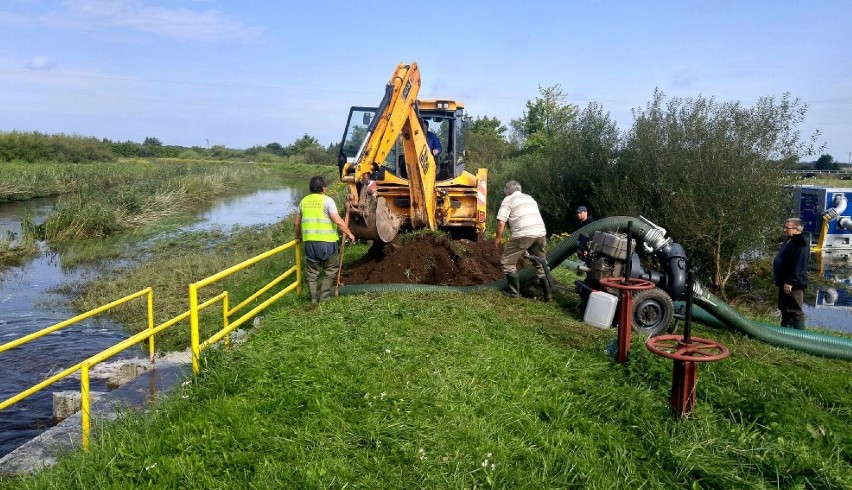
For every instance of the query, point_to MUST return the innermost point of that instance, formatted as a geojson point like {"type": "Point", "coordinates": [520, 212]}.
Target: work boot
{"type": "Point", "coordinates": [325, 289]}
{"type": "Point", "coordinates": [798, 323]}
{"type": "Point", "coordinates": [545, 287]}
{"type": "Point", "coordinates": [313, 292]}
{"type": "Point", "coordinates": [513, 282]}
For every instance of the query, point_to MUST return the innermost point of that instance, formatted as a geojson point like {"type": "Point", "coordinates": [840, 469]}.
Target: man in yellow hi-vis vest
{"type": "Point", "coordinates": [315, 222]}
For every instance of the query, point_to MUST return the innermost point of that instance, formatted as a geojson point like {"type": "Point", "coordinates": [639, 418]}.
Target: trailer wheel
{"type": "Point", "coordinates": [652, 312]}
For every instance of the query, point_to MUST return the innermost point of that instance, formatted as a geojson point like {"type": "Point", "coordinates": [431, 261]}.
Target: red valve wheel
{"type": "Point", "coordinates": [699, 350]}
{"type": "Point", "coordinates": [628, 285]}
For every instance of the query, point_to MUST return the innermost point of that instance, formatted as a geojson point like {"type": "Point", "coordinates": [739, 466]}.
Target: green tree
{"type": "Point", "coordinates": [546, 118]}
{"type": "Point", "coordinates": [826, 162]}
{"type": "Point", "coordinates": [302, 145]}
{"type": "Point", "coordinates": [151, 147]}
{"type": "Point", "coordinates": [152, 142]}
{"type": "Point", "coordinates": [709, 172]}
{"type": "Point", "coordinates": [485, 143]}
{"type": "Point", "coordinates": [275, 149]}
{"type": "Point", "coordinates": [570, 169]}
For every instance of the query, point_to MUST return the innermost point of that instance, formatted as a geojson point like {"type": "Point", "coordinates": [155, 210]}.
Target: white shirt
{"type": "Point", "coordinates": [521, 213]}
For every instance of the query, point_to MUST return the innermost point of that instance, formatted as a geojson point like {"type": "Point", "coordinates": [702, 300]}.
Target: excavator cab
{"type": "Point", "coordinates": [447, 124]}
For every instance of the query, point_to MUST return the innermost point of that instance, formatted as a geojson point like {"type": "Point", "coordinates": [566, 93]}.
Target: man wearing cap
{"type": "Point", "coordinates": [583, 216]}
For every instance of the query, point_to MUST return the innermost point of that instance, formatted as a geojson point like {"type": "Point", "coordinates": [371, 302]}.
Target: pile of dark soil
{"type": "Point", "coordinates": [427, 259]}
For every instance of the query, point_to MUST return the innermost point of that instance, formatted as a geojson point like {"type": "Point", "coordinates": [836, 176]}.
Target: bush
{"type": "Point", "coordinates": [37, 147]}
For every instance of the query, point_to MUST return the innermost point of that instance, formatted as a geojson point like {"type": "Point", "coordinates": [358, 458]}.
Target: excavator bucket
{"type": "Point", "coordinates": [374, 219]}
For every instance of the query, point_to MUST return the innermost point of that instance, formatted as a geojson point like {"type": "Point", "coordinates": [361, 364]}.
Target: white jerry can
{"type": "Point", "coordinates": [600, 309]}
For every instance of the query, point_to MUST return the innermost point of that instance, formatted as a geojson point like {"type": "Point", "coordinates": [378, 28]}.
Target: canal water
{"type": "Point", "coordinates": [29, 302]}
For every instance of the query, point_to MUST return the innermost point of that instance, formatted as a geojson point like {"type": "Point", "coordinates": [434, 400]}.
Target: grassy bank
{"type": "Point", "coordinates": [100, 200]}
{"type": "Point", "coordinates": [407, 390]}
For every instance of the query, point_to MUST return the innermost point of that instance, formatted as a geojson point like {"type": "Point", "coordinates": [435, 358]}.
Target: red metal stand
{"type": "Point", "coordinates": [686, 357]}
{"type": "Point", "coordinates": [625, 288]}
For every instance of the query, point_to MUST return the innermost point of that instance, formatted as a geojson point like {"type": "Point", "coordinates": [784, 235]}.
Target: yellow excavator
{"type": "Point", "coordinates": [403, 162]}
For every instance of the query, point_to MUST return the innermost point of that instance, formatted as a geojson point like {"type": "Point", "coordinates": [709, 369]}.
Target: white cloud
{"type": "Point", "coordinates": [140, 17]}
{"type": "Point", "coordinates": [39, 63]}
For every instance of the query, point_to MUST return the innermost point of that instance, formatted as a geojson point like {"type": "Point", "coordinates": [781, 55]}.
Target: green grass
{"type": "Point", "coordinates": [413, 390]}
{"type": "Point", "coordinates": [15, 250]}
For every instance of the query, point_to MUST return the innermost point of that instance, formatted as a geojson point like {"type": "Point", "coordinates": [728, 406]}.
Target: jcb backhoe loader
{"type": "Point", "coordinates": [396, 181]}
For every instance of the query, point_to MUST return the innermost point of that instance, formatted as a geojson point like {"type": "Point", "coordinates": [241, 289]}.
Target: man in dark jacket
{"type": "Point", "coordinates": [583, 216]}
{"type": "Point", "coordinates": [790, 269]}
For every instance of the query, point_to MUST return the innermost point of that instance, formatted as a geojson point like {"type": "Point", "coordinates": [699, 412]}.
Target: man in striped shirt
{"type": "Point", "coordinates": [521, 212]}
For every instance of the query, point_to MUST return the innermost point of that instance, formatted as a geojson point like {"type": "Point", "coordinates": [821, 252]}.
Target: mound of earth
{"type": "Point", "coordinates": [427, 259]}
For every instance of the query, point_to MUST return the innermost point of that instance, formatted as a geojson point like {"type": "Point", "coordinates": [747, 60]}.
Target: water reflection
{"type": "Point", "coordinates": [261, 208]}
{"type": "Point", "coordinates": [831, 306]}
{"type": "Point", "coordinates": [12, 212]}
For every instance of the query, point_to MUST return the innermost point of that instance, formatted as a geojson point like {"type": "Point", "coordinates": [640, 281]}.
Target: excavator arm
{"type": "Point", "coordinates": [397, 115]}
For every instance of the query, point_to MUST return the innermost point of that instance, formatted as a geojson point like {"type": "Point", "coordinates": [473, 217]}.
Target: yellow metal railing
{"type": "Point", "coordinates": [83, 367]}
{"type": "Point", "coordinates": [151, 331]}
{"type": "Point", "coordinates": [227, 325]}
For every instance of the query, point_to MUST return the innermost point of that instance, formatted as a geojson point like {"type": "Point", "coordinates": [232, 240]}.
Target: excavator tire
{"type": "Point", "coordinates": [652, 312]}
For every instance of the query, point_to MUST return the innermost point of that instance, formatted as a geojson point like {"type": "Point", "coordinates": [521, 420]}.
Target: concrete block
{"type": "Point", "coordinates": [67, 403]}
{"type": "Point", "coordinates": [126, 373]}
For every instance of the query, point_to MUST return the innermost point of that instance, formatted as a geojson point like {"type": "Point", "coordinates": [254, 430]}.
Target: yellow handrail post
{"type": "Point", "coordinates": [298, 267]}
{"type": "Point", "coordinates": [151, 323]}
{"type": "Point", "coordinates": [225, 321]}
{"type": "Point", "coordinates": [85, 422]}
{"type": "Point", "coordinates": [193, 327]}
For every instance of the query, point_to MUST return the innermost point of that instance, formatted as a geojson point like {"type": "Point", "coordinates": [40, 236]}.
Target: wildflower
{"type": "Point", "coordinates": [421, 454]}
{"type": "Point", "coordinates": [149, 468]}
{"type": "Point", "coordinates": [485, 463]}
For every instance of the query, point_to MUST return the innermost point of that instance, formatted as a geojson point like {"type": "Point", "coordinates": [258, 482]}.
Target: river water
{"type": "Point", "coordinates": [29, 302]}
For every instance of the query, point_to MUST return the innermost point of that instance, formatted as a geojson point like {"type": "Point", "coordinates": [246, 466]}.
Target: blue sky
{"type": "Point", "coordinates": [245, 73]}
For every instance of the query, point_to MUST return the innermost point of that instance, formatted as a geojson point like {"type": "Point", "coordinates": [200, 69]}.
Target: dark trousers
{"type": "Point", "coordinates": [791, 307]}
{"type": "Point", "coordinates": [321, 291]}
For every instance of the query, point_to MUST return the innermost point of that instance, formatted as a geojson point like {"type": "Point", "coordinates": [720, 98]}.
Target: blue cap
{"type": "Point", "coordinates": [582, 209]}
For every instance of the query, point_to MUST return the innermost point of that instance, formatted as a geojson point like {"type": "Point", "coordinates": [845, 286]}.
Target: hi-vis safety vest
{"type": "Point", "coordinates": [316, 226]}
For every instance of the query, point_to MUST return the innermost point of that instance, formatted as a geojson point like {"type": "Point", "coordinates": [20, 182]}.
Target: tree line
{"type": "Point", "coordinates": [17, 146]}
